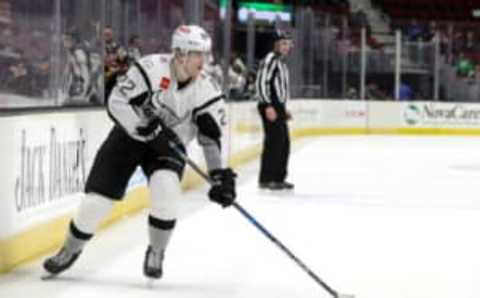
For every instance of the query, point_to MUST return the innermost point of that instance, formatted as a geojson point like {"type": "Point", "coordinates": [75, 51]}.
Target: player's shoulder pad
{"type": "Point", "coordinates": [153, 68]}
{"type": "Point", "coordinates": [159, 63]}
{"type": "Point", "coordinates": [208, 89]}
{"type": "Point", "coordinates": [209, 93]}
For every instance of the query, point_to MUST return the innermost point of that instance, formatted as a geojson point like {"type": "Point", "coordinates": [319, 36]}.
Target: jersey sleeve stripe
{"type": "Point", "coordinates": [139, 99]}
{"type": "Point", "coordinates": [265, 77]}
{"type": "Point", "coordinates": [207, 104]}
{"type": "Point", "coordinates": [260, 87]}
{"type": "Point", "coordinates": [144, 75]}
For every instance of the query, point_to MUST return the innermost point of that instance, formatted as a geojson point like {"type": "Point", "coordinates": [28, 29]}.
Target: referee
{"type": "Point", "coordinates": [273, 91]}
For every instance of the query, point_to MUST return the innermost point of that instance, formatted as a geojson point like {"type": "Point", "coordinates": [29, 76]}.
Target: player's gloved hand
{"type": "Point", "coordinates": [169, 135]}
{"type": "Point", "coordinates": [160, 137]}
{"type": "Point", "coordinates": [223, 190]}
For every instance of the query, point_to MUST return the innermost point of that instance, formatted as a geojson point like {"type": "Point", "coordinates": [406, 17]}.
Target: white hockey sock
{"type": "Point", "coordinates": [93, 208]}
{"type": "Point", "coordinates": [165, 193]}
{"type": "Point", "coordinates": [160, 232]}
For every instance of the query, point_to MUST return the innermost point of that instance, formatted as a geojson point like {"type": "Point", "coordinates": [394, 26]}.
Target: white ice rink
{"type": "Point", "coordinates": [377, 217]}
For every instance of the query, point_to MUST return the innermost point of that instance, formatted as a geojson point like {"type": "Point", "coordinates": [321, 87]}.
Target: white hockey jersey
{"type": "Point", "coordinates": [149, 90]}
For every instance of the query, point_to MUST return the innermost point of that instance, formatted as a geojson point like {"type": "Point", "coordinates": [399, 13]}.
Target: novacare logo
{"type": "Point", "coordinates": [430, 113]}
{"type": "Point", "coordinates": [412, 114]}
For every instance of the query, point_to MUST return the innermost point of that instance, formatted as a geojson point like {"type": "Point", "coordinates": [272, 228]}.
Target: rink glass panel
{"type": "Point", "coordinates": [52, 51]}
{"type": "Point", "coordinates": [153, 21]}
{"type": "Point", "coordinates": [36, 70]}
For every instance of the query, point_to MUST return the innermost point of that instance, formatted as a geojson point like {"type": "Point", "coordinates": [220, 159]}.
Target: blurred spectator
{"type": "Point", "coordinates": [236, 84]}
{"type": "Point", "coordinates": [477, 72]}
{"type": "Point", "coordinates": [134, 50]}
{"type": "Point", "coordinates": [415, 31]}
{"type": "Point", "coordinates": [40, 72]}
{"type": "Point", "coordinates": [352, 93]}
{"type": "Point", "coordinates": [406, 92]}
{"type": "Point", "coordinates": [359, 19]}
{"type": "Point", "coordinates": [214, 69]}
{"type": "Point", "coordinates": [8, 51]}
{"type": "Point", "coordinates": [374, 92]}
{"type": "Point", "coordinates": [249, 91]}
{"type": "Point", "coordinates": [237, 77]}
{"type": "Point", "coordinates": [431, 31]}
{"type": "Point", "coordinates": [11, 60]}
{"type": "Point", "coordinates": [237, 64]}
{"type": "Point", "coordinates": [18, 79]}
{"type": "Point", "coordinates": [116, 58]}
{"type": "Point", "coordinates": [111, 46]}
{"type": "Point", "coordinates": [471, 43]}
{"type": "Point", "coordinates": [458, 43]}
{"type": "Point", "coordinates": [77, 86]}
{"type": "Point", "coordinates": [444, 39]}
{"type": "Point", "coordinates": [464, 66]}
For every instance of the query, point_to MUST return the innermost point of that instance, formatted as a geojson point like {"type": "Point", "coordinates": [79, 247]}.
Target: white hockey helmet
{"type": "Point", "coordinates": [191, 38]}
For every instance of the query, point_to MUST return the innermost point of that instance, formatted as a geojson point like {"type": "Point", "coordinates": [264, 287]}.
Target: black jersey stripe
{"type": "Point", "coordinates": [79, 234]}
{"type": "Point", "coordinates": [160, 223]}
{"type": "Point", "coordinates": [207, 104]}
{"type": "Point", "coordinates": [264, 78]}
{"type": "Point", "coordinates": [273, 82]}
{"type": "Point", "coordinates": [144, 75]}
{"type": "Point", "coordinates": [140, 99]}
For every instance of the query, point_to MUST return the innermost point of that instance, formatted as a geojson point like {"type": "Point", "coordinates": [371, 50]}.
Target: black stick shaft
{"type": "Point", "coordinates": [259, 226]}
{"type": "Point", "coordinates": [287, 251]}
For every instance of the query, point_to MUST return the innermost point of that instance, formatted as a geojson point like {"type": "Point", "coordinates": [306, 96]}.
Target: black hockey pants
{"type": "Point", "coordinates": [276, 147]}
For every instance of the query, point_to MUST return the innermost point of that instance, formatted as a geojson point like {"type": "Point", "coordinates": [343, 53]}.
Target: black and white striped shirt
{"type": "Point", "coordinates": [273, 86]}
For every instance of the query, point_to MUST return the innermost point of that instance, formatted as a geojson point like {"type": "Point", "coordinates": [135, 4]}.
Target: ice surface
{"type": "Point", "coordinates": [377, 217]}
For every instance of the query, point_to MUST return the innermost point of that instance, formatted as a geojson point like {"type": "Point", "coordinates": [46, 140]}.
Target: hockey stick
{"type": "Point", "coordinates": [260, 227]}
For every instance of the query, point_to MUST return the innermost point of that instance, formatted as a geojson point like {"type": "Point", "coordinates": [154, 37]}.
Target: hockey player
{"type": "Point", "coordinates": [161, 98]}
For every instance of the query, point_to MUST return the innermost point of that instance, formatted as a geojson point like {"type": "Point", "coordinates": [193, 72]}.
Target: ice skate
{"type": "Point", "coordinates": [152, 266]}
{"type": "Point", "coordinates": [59, 262]}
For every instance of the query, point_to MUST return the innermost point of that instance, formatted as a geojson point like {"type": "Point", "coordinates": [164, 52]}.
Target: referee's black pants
{"type": "Point", "coordinates": [276, 147]}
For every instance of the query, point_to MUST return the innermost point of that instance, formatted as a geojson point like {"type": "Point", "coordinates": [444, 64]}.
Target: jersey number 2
{"type": "Point", "coordinates": [223, 116]}
{"type": "Point", "coordinates": [127, 85]}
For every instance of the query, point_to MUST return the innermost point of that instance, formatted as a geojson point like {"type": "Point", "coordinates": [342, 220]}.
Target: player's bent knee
{"type": "Point", "coordinates": [165, 193]}
{"type": "Point", "coordinates": [93, 208]}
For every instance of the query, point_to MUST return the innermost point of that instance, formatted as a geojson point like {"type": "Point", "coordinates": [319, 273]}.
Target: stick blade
{"type": "Point", "coordinates": [345, 296]}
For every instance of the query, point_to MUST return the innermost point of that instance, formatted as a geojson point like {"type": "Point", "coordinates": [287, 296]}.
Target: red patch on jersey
{"type": "Point", "coordinates": [164, 83]}
{"type": "Point", "coordinates": [184, 29]}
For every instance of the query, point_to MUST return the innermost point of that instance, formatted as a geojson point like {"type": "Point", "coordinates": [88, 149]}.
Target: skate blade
{"type": "Point", "coordinates": [48, 276]}
{"type": "Point", "coordinates": [275, 191]}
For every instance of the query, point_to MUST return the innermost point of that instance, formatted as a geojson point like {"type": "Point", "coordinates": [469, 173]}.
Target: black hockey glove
{"type": "Point", "coordinates": [162, 137]}
{"type": "Point", "coordinates": [223, 189]}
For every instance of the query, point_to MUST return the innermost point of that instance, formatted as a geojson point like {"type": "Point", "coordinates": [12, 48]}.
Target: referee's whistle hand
{"type": "Point", "coordinates": [271, 114]}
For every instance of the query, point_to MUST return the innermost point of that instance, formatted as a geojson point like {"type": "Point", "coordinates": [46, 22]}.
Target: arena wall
{"type": "Point", "coordinates": [46, 158]}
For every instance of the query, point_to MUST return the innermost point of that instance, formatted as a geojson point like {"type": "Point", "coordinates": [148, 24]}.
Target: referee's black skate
{"type": "Point", "coordinates": [60, 262]}
{"type": "Point", "coordinates": [153, 263]}
{"type": "Point", "coordinates": [287, 185]}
